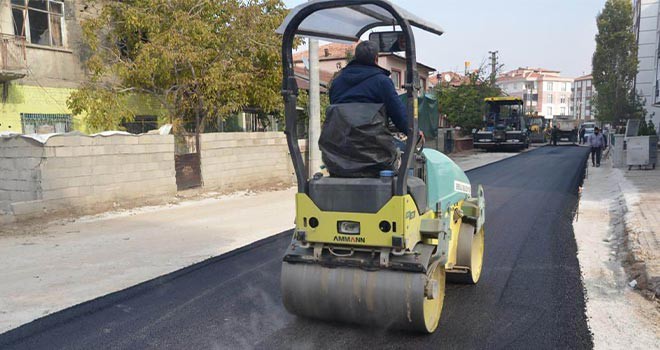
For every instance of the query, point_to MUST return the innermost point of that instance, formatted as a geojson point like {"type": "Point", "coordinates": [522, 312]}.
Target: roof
{"type": "Point", "coordinates": [338, 51]}
{"type": "Point", "coordinates": [330, 51]}
{"type": "Point", "coordinates": [302, 78]}
{"type": "Point", "coordinates": [451, 78]}
{"type": "Point", "coordinates": [504, 100]}
{"type": "Point", "coordinates": [348, 23]}
{"type": "Point", "coordinates": [527, 73]}
{"type": "Point", "coordinates": [585, 77]}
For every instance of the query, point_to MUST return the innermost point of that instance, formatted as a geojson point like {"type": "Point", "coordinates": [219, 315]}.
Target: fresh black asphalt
{"type": "Point", "coordinates": [530, 294]}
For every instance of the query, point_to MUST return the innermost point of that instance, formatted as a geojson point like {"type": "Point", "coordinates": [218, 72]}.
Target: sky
{"type": "Point", "coordinates": [552, 34]}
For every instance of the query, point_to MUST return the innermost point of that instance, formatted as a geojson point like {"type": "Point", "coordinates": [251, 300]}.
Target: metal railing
{"type": "Point", "coordinates": [12, 54]}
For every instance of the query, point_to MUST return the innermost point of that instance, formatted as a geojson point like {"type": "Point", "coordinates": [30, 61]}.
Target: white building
{"type": "Point", "coordinates": [543, 91]}
{"type": "Point", "coordinates": [645, 21]}
{"type": "Point", "coordinates": [583, 92]}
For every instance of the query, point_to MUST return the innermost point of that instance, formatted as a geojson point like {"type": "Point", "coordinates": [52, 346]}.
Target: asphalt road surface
{"type": "Point", "coordinates": [530, 294]}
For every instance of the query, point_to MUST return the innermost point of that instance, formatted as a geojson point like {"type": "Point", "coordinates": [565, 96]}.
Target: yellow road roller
{"type": "Point", "coordinates": [375, 249]}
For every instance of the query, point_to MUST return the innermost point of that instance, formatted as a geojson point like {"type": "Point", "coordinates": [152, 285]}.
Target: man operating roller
{"type": "Point", "coordinates": [355, 140]}
{"type": "Point", "coordinates": [364, 81]}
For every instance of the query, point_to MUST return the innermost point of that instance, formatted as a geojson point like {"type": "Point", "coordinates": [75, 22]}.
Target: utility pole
{"type": "Point", "coordinates": [315, 161]}
{"type": "Point", "coordinates": [314, 155]}
{"type": "Point", "coordinates": [493, 66]}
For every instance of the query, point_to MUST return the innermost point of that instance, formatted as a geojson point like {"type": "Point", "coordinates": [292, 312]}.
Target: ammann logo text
{"type": "Point", "coordinates": [350, 239]}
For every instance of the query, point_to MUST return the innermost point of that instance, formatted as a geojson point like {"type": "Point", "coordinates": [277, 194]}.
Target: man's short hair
{"type": "Point", "coordinates": [366, 52]}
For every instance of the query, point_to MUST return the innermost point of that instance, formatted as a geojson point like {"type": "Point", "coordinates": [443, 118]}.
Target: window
{"type": "Point", "coordinates": [579, 84]}
{"type": "Point", "coordinates": [588, 83]}
{"type": "Point", "coordinates": [549, 98]}
{"type": "Point", "coordinates": [562, 99]}
{"type": "Point", "coordinates": [45, 123]}
{"type": "Point", "coordinates": [588, 93]}
{"type": "Point", "coordinates": [562, 111]}
{"type": "Point", "coordinates": [549, 111]}
{"type": "Point", "coordinates": [515, 86]}
{"type": "Point", "coordinates": [39, 21]}
{"type": "Point", "coordinates": [549, 86]}
{"type": "Point", "coordinates": [563, 86]}
{"type": "Point", "coordinates": [396, 78]}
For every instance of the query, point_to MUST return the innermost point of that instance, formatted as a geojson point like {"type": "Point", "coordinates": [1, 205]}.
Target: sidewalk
{"type": "Point", "coordinates": [49, 267]}
{"type": "Point", "coordinates": [619, 316]}
{"type": "Point", "coordinates": [642, 198]}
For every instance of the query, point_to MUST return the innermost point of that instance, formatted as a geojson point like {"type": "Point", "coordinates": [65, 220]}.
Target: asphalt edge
{"type": "Point", "coordinates": [583, 175]}
{"type": "Point", "coordinates": [503, 159]}
{"type": "Point", "coordinates": [52, 320]}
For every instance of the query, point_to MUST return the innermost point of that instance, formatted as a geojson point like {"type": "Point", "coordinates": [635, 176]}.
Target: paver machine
{"type": "Point", "coordinates": [376, 250]}
{"type": "Point", "coordinates": [504, 127]}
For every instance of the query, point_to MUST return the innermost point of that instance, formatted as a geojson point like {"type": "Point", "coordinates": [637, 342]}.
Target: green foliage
{"type": "Point", "coordinates": [198, 58]}
{"type": "Point", "coordinates": [463, 105]}
{"type": "Point", "coordinates": [615, 64]}
{"type": "Point", "coordinates": [303, 103]}
{"type": "Point", "coordinates": [646, 128]}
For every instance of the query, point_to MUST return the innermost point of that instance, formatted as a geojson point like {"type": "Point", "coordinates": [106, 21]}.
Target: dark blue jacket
{"type": "Point", "coordinates": [369, 84]}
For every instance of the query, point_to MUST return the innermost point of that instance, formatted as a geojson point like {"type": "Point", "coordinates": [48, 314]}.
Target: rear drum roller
{"type": "Point", "coordinates": [385, 298]}
{"type": "Point", "coordinates": [470, 255]}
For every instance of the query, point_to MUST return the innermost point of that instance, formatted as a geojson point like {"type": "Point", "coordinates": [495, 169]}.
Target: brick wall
{"type": "Point", "coordinates": [81, 174]}
{"type": "Point", "coordinates": [244, 160]}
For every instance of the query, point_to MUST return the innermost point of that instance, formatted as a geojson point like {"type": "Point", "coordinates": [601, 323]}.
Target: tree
{"type": "Point", "coordinates": [463, 104]}
{"type": "Point", "coordinates": [199, 59]}
{"type": "Point", "coordinates": [614, 64]}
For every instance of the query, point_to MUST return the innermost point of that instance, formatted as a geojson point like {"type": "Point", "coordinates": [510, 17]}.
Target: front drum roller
{"type": "Point", "coordinates": [385, 298]}
{"type": "Point", "coordinates": [469, 255]}
{"type": "Point", "coordinates": [471, 242]}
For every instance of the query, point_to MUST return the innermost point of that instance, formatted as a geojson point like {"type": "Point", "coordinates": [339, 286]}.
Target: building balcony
{"type": "Point", "coordinates": [13, 60]}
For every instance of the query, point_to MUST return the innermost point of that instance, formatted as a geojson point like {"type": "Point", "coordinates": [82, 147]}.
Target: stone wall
{"type": "Point", "coordinates": [76, 174]}
{"type": "Point", "coordinates": [232, 161]}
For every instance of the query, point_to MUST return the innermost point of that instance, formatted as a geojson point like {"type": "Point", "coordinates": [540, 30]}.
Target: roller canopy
{"type": "Point", "coordinates": [349, 23]}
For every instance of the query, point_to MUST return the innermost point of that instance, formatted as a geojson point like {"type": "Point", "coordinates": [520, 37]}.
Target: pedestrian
{"type": "Point", "coordinates": [597, 142]}
{"type": "Point", "coordinates": [554, 135]}
{"type": "Point", "coordinates": [583, 130]}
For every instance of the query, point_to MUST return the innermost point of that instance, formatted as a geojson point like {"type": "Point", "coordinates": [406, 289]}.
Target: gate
{"type": "Point", "coordinates": [187, 162]}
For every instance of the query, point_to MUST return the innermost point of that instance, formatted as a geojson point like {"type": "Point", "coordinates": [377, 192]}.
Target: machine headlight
{"type": "Point", "coordinates": [348, 227]}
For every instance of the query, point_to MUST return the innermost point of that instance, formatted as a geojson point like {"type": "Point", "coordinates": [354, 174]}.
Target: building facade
{"type": "Point", "coordinates": [545, 92]}
{"type": "Point", "coordinates": [647, 30]}
{"type": "Point", "coordinates": [41, 57]}
{"type": "Point", "coordinates": [333, 57]}
{"type": "Point", "coordinates": [583, 92]}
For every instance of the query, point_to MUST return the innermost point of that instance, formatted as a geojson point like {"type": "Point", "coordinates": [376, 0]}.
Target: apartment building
{"type": "Point", "coordinates": [583, 92]}
{"type": "Point", "coordinates": [543, 91]}
{"type": "Point", "coordinates": [647, 83]}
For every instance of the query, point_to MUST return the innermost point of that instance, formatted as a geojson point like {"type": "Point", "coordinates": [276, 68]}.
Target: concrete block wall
{"type": "Point", "coordinates": [232, 161]}
{"type": "Point", "coordinates": [83, 174]}
{"type": "Point", "coordinates": [20, 161]}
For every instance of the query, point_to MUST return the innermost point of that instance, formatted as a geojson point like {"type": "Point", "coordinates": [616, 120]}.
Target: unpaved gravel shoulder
{"type": "Point", "coordinates": [619, 316]}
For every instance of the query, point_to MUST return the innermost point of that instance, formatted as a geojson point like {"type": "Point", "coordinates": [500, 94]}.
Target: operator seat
{"type": "Point", "coordinates": [356, 146]}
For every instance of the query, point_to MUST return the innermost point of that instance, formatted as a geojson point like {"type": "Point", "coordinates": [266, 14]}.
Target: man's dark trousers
{"type": "Point", "coordinates": [596, 152]}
